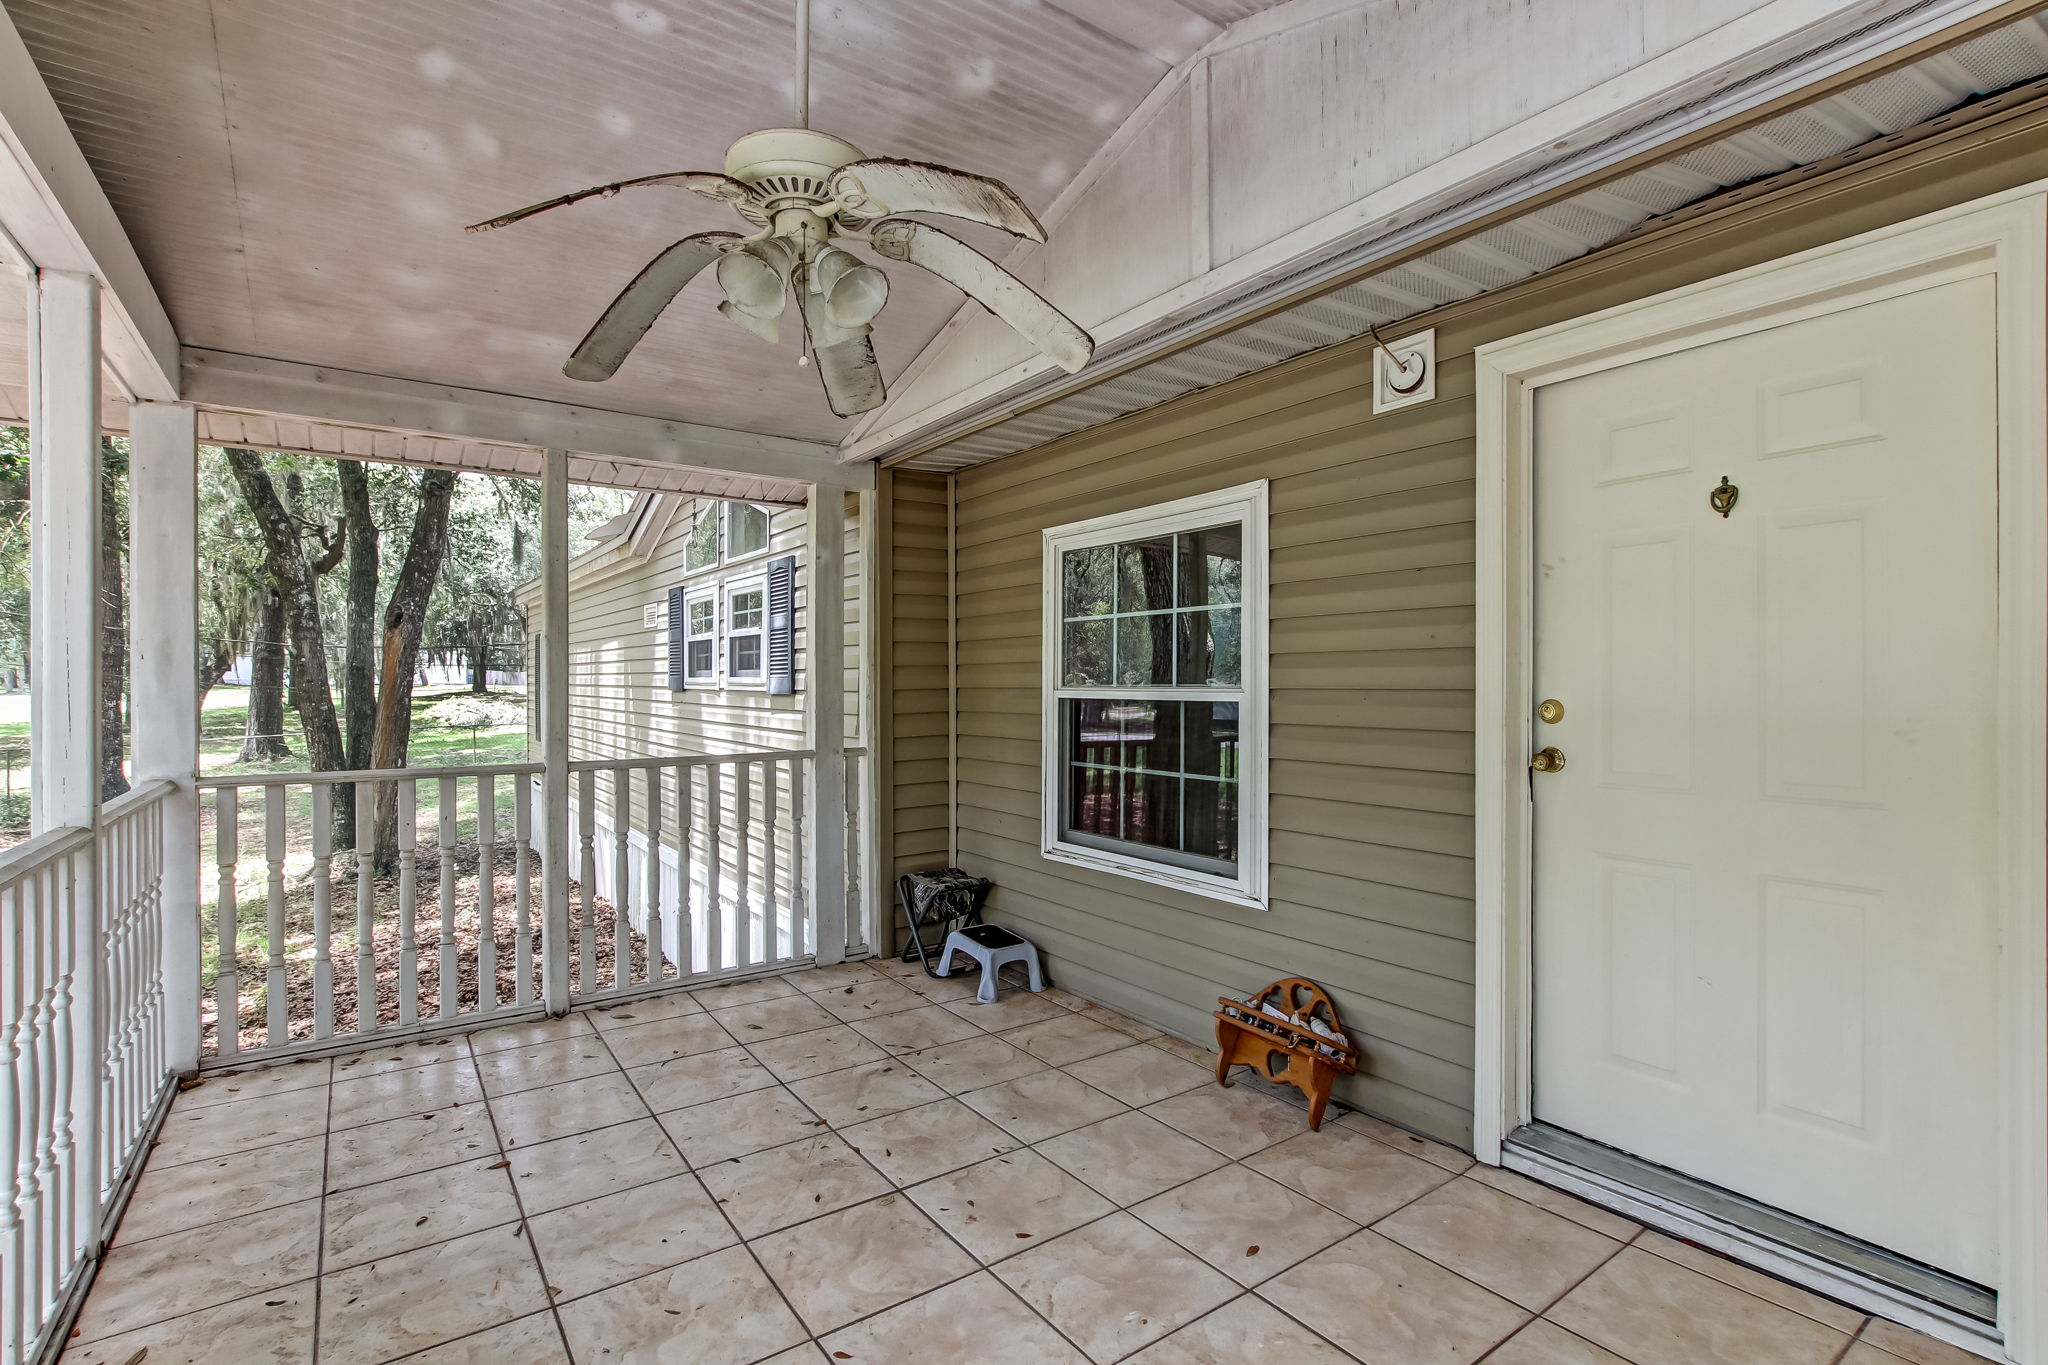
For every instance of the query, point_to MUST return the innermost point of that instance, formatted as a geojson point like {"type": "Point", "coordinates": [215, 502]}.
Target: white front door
{"type": "Point", "coordinates": [1765, 901]}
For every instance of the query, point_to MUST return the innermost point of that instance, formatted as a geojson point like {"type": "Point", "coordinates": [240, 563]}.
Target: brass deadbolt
{"type": "Point", "coordinates": [1551, 711]}
{"type": "Point", "coordinates": [1549, 759]}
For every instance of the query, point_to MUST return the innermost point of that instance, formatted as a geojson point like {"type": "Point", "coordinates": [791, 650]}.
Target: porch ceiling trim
{"type": "Point", "coordinates": [506, 432]}
{"type": "Point", "coordinates": [1602, 181]}
{"type": "Point", "coordinates": [55, 216]}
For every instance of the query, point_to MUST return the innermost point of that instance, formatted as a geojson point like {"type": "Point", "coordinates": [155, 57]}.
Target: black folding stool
{"type": "Point", "coordinates": [950, 899]}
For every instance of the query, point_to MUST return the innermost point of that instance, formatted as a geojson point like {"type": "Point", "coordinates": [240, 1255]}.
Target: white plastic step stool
{"type": "Point", "coordinates": [992, 947]}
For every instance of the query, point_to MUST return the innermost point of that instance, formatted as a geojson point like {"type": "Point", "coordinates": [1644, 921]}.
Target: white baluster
{"type": "Point", "coordinates": [448, 981]}
{"type": "Point", "coordinates": [774, 938]}
{"type": "Point", "coordinates": [368, 794]}
{"type": "Point", "coordinates": [227, 986]}
{"type": "Point", "coordinates": [746, 931]}
{"type": "Point", "coordinates": [275, 997]}
{"type": "Point", "coordinates": [408, 902]}
{"type": "Point", "coordinates": [799, 894]}
{"type": "Point", "coordinates": [586, 864]}
{"type": "Point", "coordinates": [854, 917]}
{"type": "Point", "coordinates": [686, 934]}
{"type": "Point", "coordinates": [323, 910]}
{"type": "Point", "coordinates": [657, 953]}
{"type": "Point", "coordinates": [522, 886]}
{"type": "Point", "coordinates": [487, 893]}
{"type": "Point", "coordinates": [714, 866]}
{"type": "Point", "coordinates": [622, 878]}
{"type": "Point", "coordinates": [14, 1108]}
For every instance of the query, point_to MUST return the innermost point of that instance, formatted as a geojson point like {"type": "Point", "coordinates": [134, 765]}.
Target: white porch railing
{"type": "Point", "coordinates": [686, 869]}
{"type": "Point", "coordinates": [83, 1073]}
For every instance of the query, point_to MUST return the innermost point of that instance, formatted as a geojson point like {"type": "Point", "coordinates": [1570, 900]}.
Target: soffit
{"type": "Point", "coordinates": [1537, 241]}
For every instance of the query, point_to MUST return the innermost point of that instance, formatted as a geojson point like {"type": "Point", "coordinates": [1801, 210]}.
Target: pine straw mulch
{"type": "Point", "coordinates": [301, 955]}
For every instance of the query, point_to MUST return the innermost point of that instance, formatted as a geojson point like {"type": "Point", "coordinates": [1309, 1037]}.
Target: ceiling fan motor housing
{"type": "Point", "coordinates": [789, 167]}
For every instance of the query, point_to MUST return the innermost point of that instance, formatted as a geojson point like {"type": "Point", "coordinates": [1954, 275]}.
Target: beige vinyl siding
{"type": "Point", "coordinates": [1372, 631]}
{"type": "Point", "coordinates": [918, 835]}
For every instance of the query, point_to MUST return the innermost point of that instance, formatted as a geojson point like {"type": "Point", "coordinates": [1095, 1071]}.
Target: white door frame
{"type": "Point", "coordinates": [2004, 236]}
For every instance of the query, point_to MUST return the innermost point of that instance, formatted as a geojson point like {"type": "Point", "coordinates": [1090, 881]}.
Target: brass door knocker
{"type": "Point", "coordinates": [1722, 499]}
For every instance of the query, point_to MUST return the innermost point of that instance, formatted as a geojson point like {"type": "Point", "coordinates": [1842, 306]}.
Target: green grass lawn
{"type": "Point", "coordinates": [442, 736]}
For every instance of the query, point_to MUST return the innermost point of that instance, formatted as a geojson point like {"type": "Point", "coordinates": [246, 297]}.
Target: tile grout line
{"type": "Point", "coordinates": [690, 1169]}
{"type": "Point", "coordinates": [320, 1244]}
{"type": "Point", "coordinates": [525, 1223]}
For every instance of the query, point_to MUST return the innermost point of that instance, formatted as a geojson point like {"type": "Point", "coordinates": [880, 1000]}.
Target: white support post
{"type": "Point", "coordinates": [163, 557]}
{"type": "Point", "coordinates": [554, 732]}
{"type": "Point", "coordinates": [64, 471]}
{"type": "Point", "coordinates": [825, 713]}
{"type": "Point", "coordinates": [64, 610]}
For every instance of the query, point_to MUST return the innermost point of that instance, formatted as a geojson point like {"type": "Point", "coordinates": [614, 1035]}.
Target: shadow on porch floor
{"type": "Point", "coordinates": [862, 1164]}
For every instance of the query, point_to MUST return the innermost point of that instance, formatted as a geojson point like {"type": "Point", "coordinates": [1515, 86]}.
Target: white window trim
{"type": "Point", "coordinates": [1247, 502]}
{"type": "Point", "coordinates": [691, 597]}
{"type": "Point", "coordinates": [757, 682]}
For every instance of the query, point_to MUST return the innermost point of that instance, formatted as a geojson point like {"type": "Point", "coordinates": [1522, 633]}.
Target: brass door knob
{"type": "Point", "coordinates": [1549, 759]}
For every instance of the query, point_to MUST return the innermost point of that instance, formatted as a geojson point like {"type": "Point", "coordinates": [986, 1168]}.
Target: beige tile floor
{"type": "Point", "coordinates": [861, 1164]}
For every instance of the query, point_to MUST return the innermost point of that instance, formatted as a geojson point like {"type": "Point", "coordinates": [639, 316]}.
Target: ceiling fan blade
{"type": "Point", "coordinates": [618, 331]}
{"type": "Point", "coordinates": [710, 184]}
{"type": "Point", "coordinates": [881, 186]}
{"type": "Point", "coordinates": [988, 284]}
{"type": "Point", "coordinates": [845, 358]}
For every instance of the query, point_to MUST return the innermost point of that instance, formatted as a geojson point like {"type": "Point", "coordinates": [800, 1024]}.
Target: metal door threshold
{"type": "Point", "coordinates": [1782, 1244]}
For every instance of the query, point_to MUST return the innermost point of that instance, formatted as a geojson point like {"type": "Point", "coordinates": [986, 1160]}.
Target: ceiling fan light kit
{"type": "Point", "coordinates": [804, 192]}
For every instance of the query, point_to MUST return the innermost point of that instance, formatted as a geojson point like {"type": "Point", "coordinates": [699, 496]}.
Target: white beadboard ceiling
{"type": "Point", "coordinates": [295, 176]}
{"type": "Point", "coordinates": [1864, 114]}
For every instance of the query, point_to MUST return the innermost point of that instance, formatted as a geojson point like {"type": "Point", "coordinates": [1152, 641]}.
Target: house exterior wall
{"type": "Point", "coordinates": [1372, 629]}
{"type": "Point", "coordinates": [914, 677]}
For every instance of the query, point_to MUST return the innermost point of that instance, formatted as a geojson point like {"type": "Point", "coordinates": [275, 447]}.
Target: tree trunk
{"type": "Point", "coordinates": [359, 661]}
{"type": "Point", "coordinates": [480, 664]}
{"type": "Point", "coordinates": [263, 733]}
{"type": "Point", "coordinates": [113, 642]}
{"type": "Point", "coordinates": [295, 581]}
{"type": "Point", "coordinates": [404, 619]}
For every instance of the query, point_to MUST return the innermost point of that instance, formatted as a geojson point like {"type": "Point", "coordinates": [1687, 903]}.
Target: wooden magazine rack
{"type": "Point", "coordinates": [1286, 1047]}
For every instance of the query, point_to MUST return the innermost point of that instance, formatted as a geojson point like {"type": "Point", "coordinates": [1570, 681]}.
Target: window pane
{"type": "Point", "coordinates": [746, 611]}
{"type": "Point", "coordinates": [702, 551]}
{"type": "Point", "coordinates": [1209, 811]}
{"type": "Point", "coordinates": [1144, 650]}
{"type": "Point", "coordinates": [1087, 586]}
{"type": "Point", "coordinates": [700, 618]}
{"type": "Point", "coordinates": [697, 659]}
{"type": "Point", "coordinates": [746, 529]}
{"type": "Point", "coordinates": [1087, 653]}
{"type": "Point", "coordinates": [745, 655]}
{"type": "Point", "coordinates": [1209, 648]}
{"type": "Point", "coordinates": [1211, 566]}
{"type": "Point", "coordinates": [1211, 740]}
{"type": "Point", "coordinates": [1094, 732]}
{"type": "Point", "coordinates": [1095, 801]}
{"type": "Point", "coordinates": [1145, 575]}
{"type": "Point", "coordinates": [1151, 736]}
{"type": "Point", "coordinates": [1152, 809]}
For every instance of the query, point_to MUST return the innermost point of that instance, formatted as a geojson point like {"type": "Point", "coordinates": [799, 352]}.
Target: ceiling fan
{"type": "Point", "coordinates": [803, 192]}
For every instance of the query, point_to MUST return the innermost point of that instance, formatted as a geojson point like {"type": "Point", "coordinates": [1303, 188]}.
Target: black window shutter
{"type": "Point", "coordinates": [782, 626]}
{"type": "Point", "coordinates": [678, 646]}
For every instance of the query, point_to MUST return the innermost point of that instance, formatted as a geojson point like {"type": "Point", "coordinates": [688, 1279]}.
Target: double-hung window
{"type": "Point", "coordinates": [700, 636]}
{"type": "Point", "coordinates": [1155, 694]}
{"type": "Point", "coordinates": [746, 618]}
